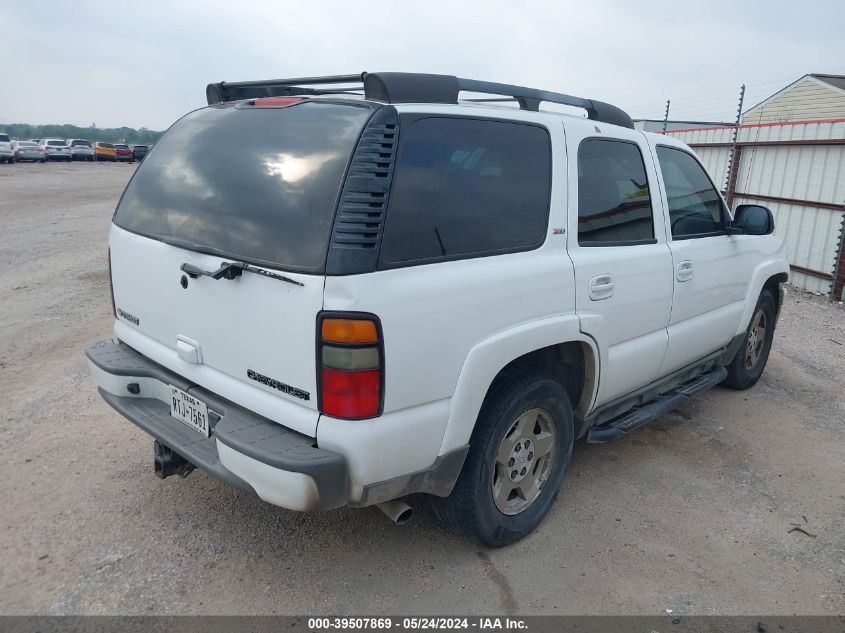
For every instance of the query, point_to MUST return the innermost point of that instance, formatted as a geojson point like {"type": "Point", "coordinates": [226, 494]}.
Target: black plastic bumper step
{"type": "Point", "coordinates": [664, 403]}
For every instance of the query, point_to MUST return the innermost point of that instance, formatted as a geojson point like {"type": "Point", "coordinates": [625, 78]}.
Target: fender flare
{"type": "Point", "coordinates": [490, 355]}
{"type": "Point", "coordinates": [762, 273]}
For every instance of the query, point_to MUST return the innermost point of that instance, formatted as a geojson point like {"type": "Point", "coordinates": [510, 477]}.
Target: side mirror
{"type": "Point", "coordinates": [754, 219]}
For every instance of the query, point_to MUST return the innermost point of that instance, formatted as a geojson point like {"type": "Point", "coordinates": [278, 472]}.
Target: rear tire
{"type": "Point", "coordinates": [527, 410]}
{"type": "Point", "coordinates": [747, 366]}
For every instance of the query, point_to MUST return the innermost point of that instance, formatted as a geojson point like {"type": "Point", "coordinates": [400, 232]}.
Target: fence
{"type": "Point", "coordinates": [797, 169]}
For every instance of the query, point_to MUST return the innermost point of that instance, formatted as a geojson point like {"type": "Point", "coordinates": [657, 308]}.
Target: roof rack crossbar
{"type": "Point", "coordinates": [412, 88]}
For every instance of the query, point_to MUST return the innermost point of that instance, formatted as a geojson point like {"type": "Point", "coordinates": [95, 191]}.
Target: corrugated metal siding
{"type": "Point", "coordinates": [808, 99]}
{"type": "Point", "coordinates": [808, 172]}
{"type": "Point", "coordinates": [811, 236]}
{"type": "Point", "coordinates": [808, 282]}
{"type": "Point", "coordinates": [715, 161]}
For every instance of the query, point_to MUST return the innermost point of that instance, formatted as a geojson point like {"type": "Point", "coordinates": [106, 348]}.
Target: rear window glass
{"type": "Point", "coordinates": [59, 143]}
{"type": "Point", "coordinates": [614, 204]}
{"type": "Point", "coordinates": [106, 145]}
{"type": "Point", "coordinates": [78, 143]}
{"type": "Point", "coordinates": [25, 143]}
{"type": "Point", "coordinates": [256, 184]}
{"type": "Point", "coordinates": [121, 147]}
{"type": "Point", "coordinates": [466, 188]}
{"type": "Point", "coordinates": [4, 138]}
{"type": "Point", "coordinates": [139, 147]}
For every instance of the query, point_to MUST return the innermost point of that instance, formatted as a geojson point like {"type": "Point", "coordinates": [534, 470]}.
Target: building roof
{"type": "Point", "coordinates": [837, 81]}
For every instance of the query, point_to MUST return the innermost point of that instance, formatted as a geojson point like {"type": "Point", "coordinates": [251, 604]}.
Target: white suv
{"type": "Point", "coordinates": [7, 155]}
{"type": "Point", "coordinates": [394, 292]}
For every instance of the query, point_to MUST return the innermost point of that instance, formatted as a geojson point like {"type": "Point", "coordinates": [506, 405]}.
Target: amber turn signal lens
{"type": "Point", "coordinates": [349, 331]}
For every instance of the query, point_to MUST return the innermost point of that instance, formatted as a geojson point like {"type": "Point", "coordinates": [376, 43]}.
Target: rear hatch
{"type": "Point", "coordinates": [246, 184]}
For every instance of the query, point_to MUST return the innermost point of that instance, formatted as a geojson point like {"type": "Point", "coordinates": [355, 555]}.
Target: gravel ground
{"type": "Point", "coordinates": [691, 514]}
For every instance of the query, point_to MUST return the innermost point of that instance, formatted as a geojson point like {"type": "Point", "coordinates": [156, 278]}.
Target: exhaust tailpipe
{"type": "Point", "coordinates": [397, 511]}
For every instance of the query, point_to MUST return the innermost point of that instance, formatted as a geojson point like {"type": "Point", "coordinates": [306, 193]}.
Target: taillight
{"type": "Point", "coordinates": [350, 353]}
{"type": "Point", "coordinates": [111, 289]}
{"type": "Point", "coordinates": [276, 102]}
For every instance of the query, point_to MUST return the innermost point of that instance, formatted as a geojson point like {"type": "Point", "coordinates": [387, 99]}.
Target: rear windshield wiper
{"type": "Point", "coordinates": [233, 270]}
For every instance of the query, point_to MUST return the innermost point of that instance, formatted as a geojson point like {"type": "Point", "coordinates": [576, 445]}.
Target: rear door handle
{"type": "Point", "coordinates": [683, 271]}
{"type": "Point", "coordinates": [601, 287]}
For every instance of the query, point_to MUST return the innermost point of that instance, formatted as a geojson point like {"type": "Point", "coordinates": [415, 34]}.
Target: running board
{"type": "Point", "coordinates": [664, 403]}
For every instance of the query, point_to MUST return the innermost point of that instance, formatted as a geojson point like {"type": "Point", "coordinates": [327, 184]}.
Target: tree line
{"type": "Point", "coordinates": [129, 135]}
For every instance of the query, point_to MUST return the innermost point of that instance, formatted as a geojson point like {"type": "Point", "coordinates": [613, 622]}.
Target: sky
{"type": "Point", "coordinates": [144, 64]}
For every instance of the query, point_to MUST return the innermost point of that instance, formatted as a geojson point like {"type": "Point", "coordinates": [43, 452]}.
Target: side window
{"type": "Point", "coordinates": [614, 204]}
{"type": "Point", "coordinates": [466, 188]}
{"type": "Point", "coordinates": [695, 207]}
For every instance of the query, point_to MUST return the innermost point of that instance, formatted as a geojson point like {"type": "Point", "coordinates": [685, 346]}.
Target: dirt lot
{"type": "Point", "coordinates": [691, 514]}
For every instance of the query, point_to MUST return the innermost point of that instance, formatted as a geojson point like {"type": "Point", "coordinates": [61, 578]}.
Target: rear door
{"type": "Point", "coordinates": [235, 183]}
{"type": "Point", "coordinates": [623, 267]}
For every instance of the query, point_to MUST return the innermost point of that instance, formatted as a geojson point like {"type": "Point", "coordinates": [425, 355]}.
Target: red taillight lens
{"type": "Point", "coordinates": [350, 394]}
{"type": "Point", "coordinates": [276, 102]}
{"type": "Point", "coordinates": [351, 358]}
{"type": "Point", "coordinates": [111, 289]}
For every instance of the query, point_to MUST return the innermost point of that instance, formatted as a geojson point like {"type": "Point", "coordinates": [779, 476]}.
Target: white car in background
{"type": "Point", "coordinates": [27, 151]}
{"type": "Point", "coordinates": [6, 155]}
{"type": "Point", "coordinates": [56, 149]}
{"type": "Point", "coordinates": [81, 149]}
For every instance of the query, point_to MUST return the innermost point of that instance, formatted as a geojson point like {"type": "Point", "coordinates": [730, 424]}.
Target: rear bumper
{"type": "Point", "coordinates": [245, 450]}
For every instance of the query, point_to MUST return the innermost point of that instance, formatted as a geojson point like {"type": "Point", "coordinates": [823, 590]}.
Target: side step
{"type": "Point", "coordinates": [645, 414]}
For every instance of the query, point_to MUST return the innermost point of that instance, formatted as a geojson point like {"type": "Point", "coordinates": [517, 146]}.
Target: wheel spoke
{"type": "Point", "coordinates": [543, 444]}
{"type": "Point", "coordinates": [505, 449]}
{"type": "Point", "coordinates": [529, 488]}
{"type": "Point", "coordinates": [525, 424]}
{"type": "Point", "coordinates": [502, 490]}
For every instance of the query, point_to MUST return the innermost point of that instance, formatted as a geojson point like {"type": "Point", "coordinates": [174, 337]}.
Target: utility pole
{"type": "Point", "coordinates": [666, 115]}
{"type": "Point", "coordinates": [733, 161]}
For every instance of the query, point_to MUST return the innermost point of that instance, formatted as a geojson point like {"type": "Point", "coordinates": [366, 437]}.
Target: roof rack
{"type": "Point", "coordinates": [410, 88]}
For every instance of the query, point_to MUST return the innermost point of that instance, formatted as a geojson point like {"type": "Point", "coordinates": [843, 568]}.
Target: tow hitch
{"type": "Point", "coordinates": [167, 462]}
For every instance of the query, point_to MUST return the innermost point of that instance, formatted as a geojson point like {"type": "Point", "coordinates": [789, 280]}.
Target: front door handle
{"type": "Point", "coordinates": [601, 287]}
{"type": "Point", "coordinates": [683, 271]}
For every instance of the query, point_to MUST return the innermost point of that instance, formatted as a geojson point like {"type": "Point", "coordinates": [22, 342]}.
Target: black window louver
{"type": "Point", "coordinates": [359, 222]}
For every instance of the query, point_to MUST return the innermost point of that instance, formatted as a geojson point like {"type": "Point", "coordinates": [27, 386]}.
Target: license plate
{"type": "Point", "coordinates": [189, 411]}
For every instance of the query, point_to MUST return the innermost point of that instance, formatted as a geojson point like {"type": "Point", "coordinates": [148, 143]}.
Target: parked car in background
{"type": "Point", "coordinates": [27, 151]}
{"type": "Point", "coordinates": [124, 154]}
{"type": "Point", "coordinates": [104, 151]}
{"type": "Point", "coordinates": [80, 149]}
{"type": "Point", "coordinates": [56, 149]}
{"type": "Point", "coordinates": [139, 151]}
{"type": "Point", "coordinates": [6, 155]}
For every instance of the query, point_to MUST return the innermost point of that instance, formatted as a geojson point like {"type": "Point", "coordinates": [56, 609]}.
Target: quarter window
{"type": "Point", "coordinates": [614, 203]}
{"type": "Point", "coordinates": [466, 188]}
{"type": "Point", "coordinates": [695, 207]}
